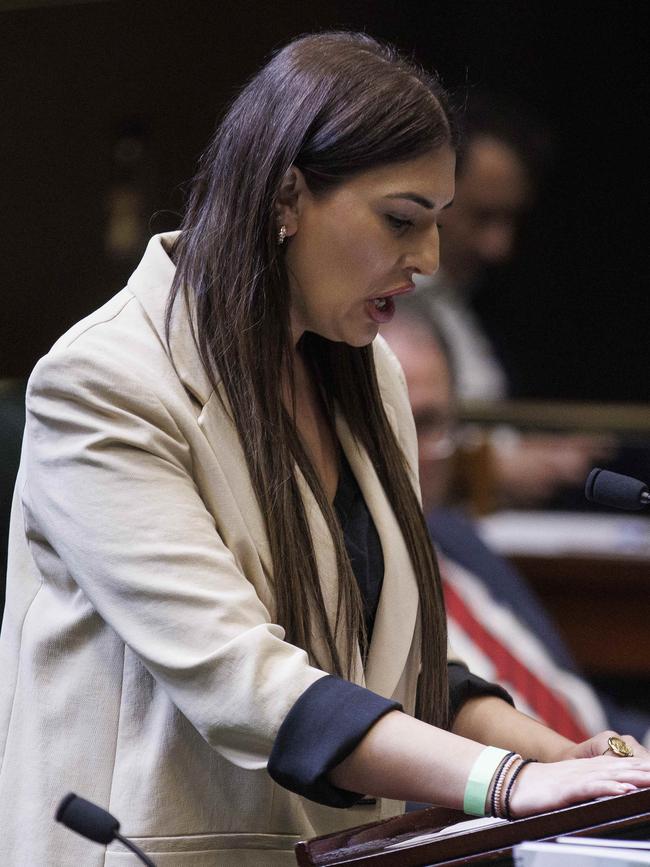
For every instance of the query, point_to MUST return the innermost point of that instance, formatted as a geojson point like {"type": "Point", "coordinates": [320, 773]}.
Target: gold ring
{"type": "Point", "coordinates": [619, 748]}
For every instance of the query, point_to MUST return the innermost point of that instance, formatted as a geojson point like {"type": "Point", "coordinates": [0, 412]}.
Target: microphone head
{"type": "Point", "coordinates": [589, 484]}
{"type": "Point", "coordinates": [87, 819]}
{"type": "Point", "coordinates": [616, 490]}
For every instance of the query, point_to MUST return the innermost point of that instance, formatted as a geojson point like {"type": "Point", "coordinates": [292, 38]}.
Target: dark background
{"type": "Point", "coordinates": [79, 79]}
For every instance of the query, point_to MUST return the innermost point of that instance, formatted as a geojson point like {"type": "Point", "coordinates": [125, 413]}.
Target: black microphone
{"type": "Point", "coordinates": [94, 823]}
{"type": "Point", "coordinates": [613, 489]}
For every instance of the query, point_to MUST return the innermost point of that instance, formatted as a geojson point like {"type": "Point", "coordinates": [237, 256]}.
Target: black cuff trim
{"type": "Point", "coordinates": [323, 727]}
{"type": "Point", "coordinates": [464, 685]}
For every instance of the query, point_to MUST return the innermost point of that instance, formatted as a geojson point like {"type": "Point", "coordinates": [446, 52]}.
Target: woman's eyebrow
{"type": "Point", "coordinates": [414, 197]}
{"type": "Point", "coordinates": [418, 199]}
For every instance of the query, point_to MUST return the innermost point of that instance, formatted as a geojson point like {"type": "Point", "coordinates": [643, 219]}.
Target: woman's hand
{"type": "Point", "coordinates": [551, 786]}
{"type": "Point", "coordinates": [598, 745]}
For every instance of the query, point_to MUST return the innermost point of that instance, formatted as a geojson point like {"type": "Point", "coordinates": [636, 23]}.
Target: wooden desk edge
{"type": "Point", "coordinates": [366, 845]}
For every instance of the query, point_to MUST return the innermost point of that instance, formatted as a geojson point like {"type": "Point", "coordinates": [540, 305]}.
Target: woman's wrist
{"type": "Point", "coordinates": [487, 767]}
{"type": "Point", "coordinates": [497, 787]}
{"type": "Point", "coordinates": [503, 784]}
{"type": "Point", "coordinates": [513, 779]}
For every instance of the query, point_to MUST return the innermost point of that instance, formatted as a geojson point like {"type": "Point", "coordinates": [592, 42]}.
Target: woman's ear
{"type": "Point", "coordinates": [290, 200]}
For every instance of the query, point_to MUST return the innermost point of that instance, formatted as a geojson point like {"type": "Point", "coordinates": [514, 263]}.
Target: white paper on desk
{"type": "Point", "coordinates": [568, 855]}
{"type": "Point", "coordinates": [450, 830]}
{"type": "Point", "coordinates": [602, 841]}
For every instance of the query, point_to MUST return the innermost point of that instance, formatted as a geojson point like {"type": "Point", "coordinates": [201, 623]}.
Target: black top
{"type": "Point", "coordinates": [361, 541]}
{"type": "Point", "coordinates": [330, 718]}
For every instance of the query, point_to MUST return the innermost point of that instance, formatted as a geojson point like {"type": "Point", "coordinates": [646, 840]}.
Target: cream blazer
{"type": "Point", "coordinates": [140, 663]}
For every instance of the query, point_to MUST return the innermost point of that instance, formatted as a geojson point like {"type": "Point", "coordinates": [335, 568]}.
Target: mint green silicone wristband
{"type": "Point", "coordinates": [480, 777]}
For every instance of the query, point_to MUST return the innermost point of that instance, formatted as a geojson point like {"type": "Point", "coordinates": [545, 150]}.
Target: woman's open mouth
{"type": "Point", "coordinates": [381, 310]}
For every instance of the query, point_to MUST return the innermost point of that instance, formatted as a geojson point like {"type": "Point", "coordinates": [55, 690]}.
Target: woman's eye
{"type": "Point", "coordinates": [398, 223]}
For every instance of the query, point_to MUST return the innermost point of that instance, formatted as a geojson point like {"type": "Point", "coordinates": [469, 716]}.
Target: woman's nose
{"type": "Point", "coordinates": [426, 258]}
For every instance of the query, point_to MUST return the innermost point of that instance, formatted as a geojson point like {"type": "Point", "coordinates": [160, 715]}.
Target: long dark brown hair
{"type": "Point", "coordinates": [332, 104]}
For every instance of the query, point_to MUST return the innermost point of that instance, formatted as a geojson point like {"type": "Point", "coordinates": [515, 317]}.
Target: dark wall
{"type": "Point", "coordinates": [78, 82]}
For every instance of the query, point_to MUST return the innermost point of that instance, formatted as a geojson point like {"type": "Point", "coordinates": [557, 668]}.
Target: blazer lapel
{"type": "Point", "coordinates": [221, 434]}
{"type": "Point", "coordinates": [150, 284]}
{"type": "Point", "coordinates": [397, 613]}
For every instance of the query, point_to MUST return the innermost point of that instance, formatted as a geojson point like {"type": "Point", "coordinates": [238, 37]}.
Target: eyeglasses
{"type": "Point", "coordinates": [438, 438]}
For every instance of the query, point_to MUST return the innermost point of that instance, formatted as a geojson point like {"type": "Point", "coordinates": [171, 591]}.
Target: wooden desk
{"type": "Point", "coordinates": [601, 605]}
{"type": "Point", "coordinates": [592, 573]}
{"type": "Point", "coordinates": [474, 477]}
{"type": "Point", "coordinates": [626, 816]}
{"type": "Point", "coordinates": [591, 417]}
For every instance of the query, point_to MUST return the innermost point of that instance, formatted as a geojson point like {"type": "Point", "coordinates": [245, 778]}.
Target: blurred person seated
{"type": "Point", "coordinates": [498, 169]}
{"type": "Point", "coordinates": [496, 622]}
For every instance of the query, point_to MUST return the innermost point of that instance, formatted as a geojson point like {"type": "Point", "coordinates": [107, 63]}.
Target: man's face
{"type": "Point", "coordinates": [492, 194]}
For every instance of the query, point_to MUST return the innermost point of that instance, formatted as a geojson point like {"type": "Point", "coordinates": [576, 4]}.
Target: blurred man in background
{"type": "Point", "coordinates": [496, 623]}
{"type": "Point", "coordinates": [499, 168]}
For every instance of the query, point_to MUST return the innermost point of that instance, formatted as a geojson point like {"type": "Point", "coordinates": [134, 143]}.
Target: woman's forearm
{"type": "Point", "coordinates": [494, 722]}
{"type": "Point", "coordinates": [403, 758]}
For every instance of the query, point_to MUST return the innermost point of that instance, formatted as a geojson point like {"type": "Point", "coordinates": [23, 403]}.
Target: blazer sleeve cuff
{"type": "Point", "coordinates": [464, 685]}
{"type": "Point", "coordinates": [323, 727]}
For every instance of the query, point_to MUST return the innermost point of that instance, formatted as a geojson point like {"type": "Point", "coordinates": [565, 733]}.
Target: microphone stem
{"type": "Point", "coordinates": [129, 845]}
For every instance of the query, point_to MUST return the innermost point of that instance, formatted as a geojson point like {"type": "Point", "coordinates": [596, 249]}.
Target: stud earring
{"type": "Point", "coordinates": [282, 234]}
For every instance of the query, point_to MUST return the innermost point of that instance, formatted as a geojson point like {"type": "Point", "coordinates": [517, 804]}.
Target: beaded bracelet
{"type": "Point", "coordinates": [495, 780]}
{"type": "Point", "coordinates": [499, 780]}
{"type": "Point", "coordinates": [511, 783]}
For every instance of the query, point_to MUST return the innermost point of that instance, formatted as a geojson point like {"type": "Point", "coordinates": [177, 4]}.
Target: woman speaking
{"type": "Point", "coordinates": [224, 620]}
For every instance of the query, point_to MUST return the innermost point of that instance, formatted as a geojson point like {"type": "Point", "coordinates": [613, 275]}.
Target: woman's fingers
{"type": "Point", "coordinates": [598, 745]}
{"type": "Point", "coordinates": [595, 746]}
{"type": "Point", "coordinates": [638, 749]}
{"type": "Point", "coordinates": [543, 787]}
